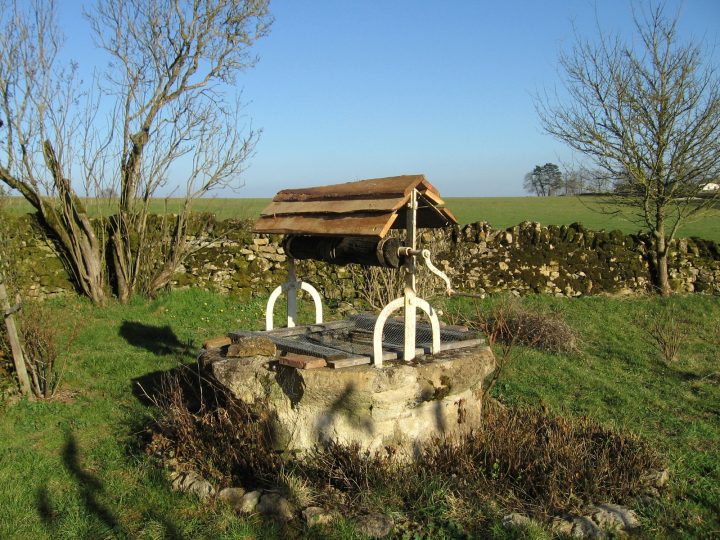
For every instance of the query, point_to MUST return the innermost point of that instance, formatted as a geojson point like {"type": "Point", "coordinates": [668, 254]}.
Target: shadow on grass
{"type": "Point", "coordinates": [159, 340]}
{"type": "Point", "coordinates": [48, 514]}
{"type": "Point", "coordinates": [90, 489]}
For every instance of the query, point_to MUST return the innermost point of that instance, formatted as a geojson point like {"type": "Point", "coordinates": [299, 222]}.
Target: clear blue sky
{"type": "Point", "coordinates": [350, 89]}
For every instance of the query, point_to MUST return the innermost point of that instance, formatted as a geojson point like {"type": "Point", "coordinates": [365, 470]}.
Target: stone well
{"type": "Point", "coordinates": [399, 406]}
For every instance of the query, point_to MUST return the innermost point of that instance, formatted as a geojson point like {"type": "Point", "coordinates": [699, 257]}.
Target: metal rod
{"type": "Point", "coordinates": [291, 293]}
{"type": "Point", "coordinates": [410, 283]}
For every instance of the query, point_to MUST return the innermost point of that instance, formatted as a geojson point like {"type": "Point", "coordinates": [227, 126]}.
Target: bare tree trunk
{"type": "Point", "coordinates": [82, 248]}
{"type": "Point", "coordinates": [178, 251]}
{"type": "Point", "coordinates": [15, 347]}
{"type": "Point", "coordinates": [72, 227]}
{"type": "Point", "coordinates": [121, 266]}
{"type": "Point", "coordinates": [661, 260]}
{"type": "Point", "coordinates": [662, 274]}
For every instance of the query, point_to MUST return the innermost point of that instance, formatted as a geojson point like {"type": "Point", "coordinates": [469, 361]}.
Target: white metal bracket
{"type": "Point", "coordinates": [385, 314]}
{"type": "Point", "coordinates": [291, 287]}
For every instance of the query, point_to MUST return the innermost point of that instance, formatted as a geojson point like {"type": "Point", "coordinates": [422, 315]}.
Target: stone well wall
{"type": "Point", "coordinates": [527, 258]}
{"type": "Point", "coordinates": [399, 406]}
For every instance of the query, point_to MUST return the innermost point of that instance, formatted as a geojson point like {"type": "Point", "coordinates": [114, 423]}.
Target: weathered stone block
{"type": "Point", "coordinates": [244, 347]}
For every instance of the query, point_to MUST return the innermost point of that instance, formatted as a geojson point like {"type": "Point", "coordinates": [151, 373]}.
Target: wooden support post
{"type": "Point", "coordinates": [15, 347]}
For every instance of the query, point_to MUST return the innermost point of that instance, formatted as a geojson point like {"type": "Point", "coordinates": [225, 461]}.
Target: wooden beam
{"type": "Point", "coordinates": [349, 362]}
{"type": "Point", "coordinates": [395, 186]}
{"type": "Point", "coordinates": [376, 225]}
{"type": "Point", "coordinates": [333, 206]}
{"type": "Point", "coordinates": [452, 345]}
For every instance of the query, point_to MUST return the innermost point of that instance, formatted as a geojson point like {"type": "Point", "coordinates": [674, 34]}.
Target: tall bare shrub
{"type": "Point", "coordinates": [664, 332]}
{"type": "Point", "coordinates": [46, 347]}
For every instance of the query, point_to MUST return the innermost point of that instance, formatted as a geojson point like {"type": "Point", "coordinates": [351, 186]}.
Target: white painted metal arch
{"type": "Point", "coordinates": [291, 289]}
{"type": "Point", "coordinates": [385, 314]}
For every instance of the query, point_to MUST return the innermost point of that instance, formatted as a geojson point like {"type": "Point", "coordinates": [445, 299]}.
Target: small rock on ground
{"type": "Point", "coordinates": [275, 505]}
{"type": "Point", "coordinates": [614, 516]}
{"type": "Point", "coordinates": [249, 502]}
{"type": "Point", "coordinates": [375, 525]}
{"type": "Point", "coordinates": [232, 495]}
{"type": "Point", "coordinates": [314, 515]}
{"type": "Point", "coordinates": [514, 520]}
{"type": "Point", "coordinates": [584, 527]}
{"type": "Point", "coordinates": [660, 478]}
{"type": "Point", "coordinates": [191, 482]}
{"type": "Point", "coordinates": [561, 526]}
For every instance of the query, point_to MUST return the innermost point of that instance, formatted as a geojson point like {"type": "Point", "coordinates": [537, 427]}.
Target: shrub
{"type": "Point", "coordinates": [41, 334]}
{"type": "Point", "coordinates": [198, 424]}
{"type": "Point", "coordinates": [664, 333]}
{"type": "Point", "coordinates": [507, 321]}
{"type": "Point", "coordinates": [538, 462]}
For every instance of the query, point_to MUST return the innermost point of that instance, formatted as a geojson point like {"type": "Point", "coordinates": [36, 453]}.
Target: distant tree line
{"type": "Point", "coordinates": [547, 180]}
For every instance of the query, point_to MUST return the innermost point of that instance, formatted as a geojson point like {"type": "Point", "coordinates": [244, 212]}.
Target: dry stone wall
{"type": "Point", "coordinates": [527, 258]}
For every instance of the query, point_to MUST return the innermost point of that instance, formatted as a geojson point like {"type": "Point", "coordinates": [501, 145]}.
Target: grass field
{"type": "Point", "coordinates": [71, 467]}
{"type": "Point", "coordinates": [501, 212]}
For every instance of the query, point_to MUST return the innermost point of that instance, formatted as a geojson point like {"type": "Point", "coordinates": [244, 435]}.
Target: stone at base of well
{"type": "Point", "coordinates": [399, 406]}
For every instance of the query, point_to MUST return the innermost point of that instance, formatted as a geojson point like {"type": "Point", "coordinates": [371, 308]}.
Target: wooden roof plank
{"type": "Point", "coordinates": [333, 207]}
{"type": "Point", "coordinates": [395, 186]}
{"type": "Point", "coordinates": [427, 186]}
{"type": "Point", "coordinates": [433, 198]}
{"type": "Point", "coordinates": [376, 225]}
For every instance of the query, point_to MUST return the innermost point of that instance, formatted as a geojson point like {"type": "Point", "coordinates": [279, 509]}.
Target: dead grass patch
{"type": "Point", "coordinates": [507, 321]}
{"type": "Point", "coordinates": [200, 426]}
{"type": "Point", "coordinates": [543, 463]}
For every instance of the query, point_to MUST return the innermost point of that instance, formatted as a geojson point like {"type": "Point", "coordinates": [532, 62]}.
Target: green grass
{"type": "Point", "coordinates": [70, 468]}
{"type": "Point", "coordinates": [622, 381]}
{"type": "Point", "coordinates": [500, 212]}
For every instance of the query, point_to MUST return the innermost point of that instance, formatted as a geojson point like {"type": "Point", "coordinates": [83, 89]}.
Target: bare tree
{"type": "Point", "coordinates": [168, 95]}
{"type": "Point", "coordinates": [39, 106]}
{"type": "Point", "coordinates": [172, 64]}
{"type": "Point", "coordinates": [648, 116]}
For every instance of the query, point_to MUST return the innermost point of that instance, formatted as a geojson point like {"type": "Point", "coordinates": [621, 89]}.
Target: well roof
{"type": "Point", "coordinates": [364, 208]}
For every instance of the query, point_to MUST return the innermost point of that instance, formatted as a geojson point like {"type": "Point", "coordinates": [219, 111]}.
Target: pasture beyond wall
{"type": "Point", "coordinates": [527, 258]}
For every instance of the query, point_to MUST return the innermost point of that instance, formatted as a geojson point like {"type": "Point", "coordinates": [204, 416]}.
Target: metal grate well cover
{"type": "Point", "coordinates": [352, 338]}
